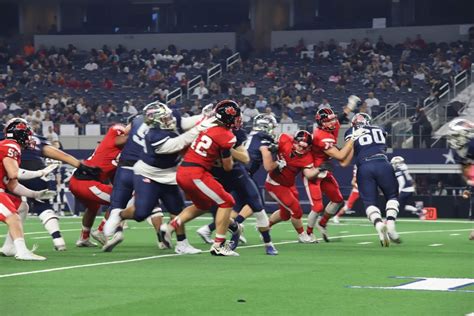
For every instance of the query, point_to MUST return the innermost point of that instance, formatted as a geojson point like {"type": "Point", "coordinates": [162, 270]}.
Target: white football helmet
{"type": "Point", "coordinates": [461, 131]}
{"type": "Point", "coordinates": [265, 123]}
{"type": "Point", "coordinates": [396, 161]}
{"type": "Point", "coordinates": [158, 114]}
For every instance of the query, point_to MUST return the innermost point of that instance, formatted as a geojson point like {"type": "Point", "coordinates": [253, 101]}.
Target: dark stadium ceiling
{"type": "Point", "coordinates": [121, 1]}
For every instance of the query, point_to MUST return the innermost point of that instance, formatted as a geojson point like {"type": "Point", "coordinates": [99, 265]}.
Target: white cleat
{"type": "Point", "coordinates": [116, 239]}
{"type": "Point", "coordinates": [29, 256]}
{"type": "Point", "coordinates": [304, 238]}
{"type": "Point", "coordinates": [205, 233]}
{"type": "Point", "coordinates": [184, 248]}
{"type": "Point", "coordinates": [112, 223]}
{"type": "Point", "coordinates": [323, 231]}
{"type": "Point", "coordinates": [223, 251]}
{"type": "Point", "coordinates": [242, 238]}
{"type": "Point", "coordinates": [312, 239]}
{"type": "Point", "coordinates": [8, 251]}
{"type": "Point", "coordinates": [335, 220]}
{"type": "Point", "coordinates": [59, 244]}
{"type": "Point", "coordinates": [394, 237]}
{"type": "Point", "coordinates": [383, 234]}
{"type": "Point", "coordinates": [85, 243]}
{"type": "Point", "coordinates": [99, 236]}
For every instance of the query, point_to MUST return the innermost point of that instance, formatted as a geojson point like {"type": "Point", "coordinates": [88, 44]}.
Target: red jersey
{"type": "Point", "coordinates": [8, 148]}
{"type": "Point", "coordinates": [294, 163]}
{"type": "Point", "coordinates": [208, 146]}
{"type": "Point", "coordinates": [323, 140]}
{"type": "Point", "coordinates": [106, 154]}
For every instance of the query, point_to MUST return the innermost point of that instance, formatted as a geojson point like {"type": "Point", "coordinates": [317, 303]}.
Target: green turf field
{"type": "Point", "coordinates": [305, 279]}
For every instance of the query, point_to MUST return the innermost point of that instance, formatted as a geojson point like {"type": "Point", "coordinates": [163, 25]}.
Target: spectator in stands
{"type": "Point", "coordinates": [419, 43]}
{"type": "Point", "coordinates": [3, 105]}
{"type": "Point", "coordinates": [308, 104]}
{"type": "Point", "coordinates": [91, 65]}
{"type": "Point", "coordinates": [297, 105]}
{"type": "Point", "coordinates": [129, 108]}
{"type": "Point", "coordinates": [268, 111]}
{"type": "Point", "coordinates": [261, 103]}
{"type": "Point", "coordinates": [108, 84]}
{"type": "Point", "coordinates": [440, 189]}
{"type": "Point", "coordinates": [387, 67]}
{"type": "Point", "coordinates": [371, 102]}
{"type": "Point", "coordinates": [200, 91]}
{"type": "Point", "coordinates": [52, 137]}
{"type": "Point", "coordinates": [285, 119]}
{"type": "Point", "coordinates": [421, 128]}
{"type": "Point", "coordinates": [249, 112]}
{"type": "Point", "coordinates": [324, 104]}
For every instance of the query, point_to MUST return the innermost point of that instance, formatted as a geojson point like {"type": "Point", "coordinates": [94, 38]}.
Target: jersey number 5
{"type": "Point", "coordinates": [200, 147]}
{"type": "Point", "coordinates": [375, 136]}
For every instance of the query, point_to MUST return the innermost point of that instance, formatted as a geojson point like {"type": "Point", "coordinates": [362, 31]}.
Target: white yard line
{"type": "Point", "coordinates": [365, 242]}
{"type": "Point", "coordinates": [175, 255]}
{"type": "Point", "coordinates": [435, 245]}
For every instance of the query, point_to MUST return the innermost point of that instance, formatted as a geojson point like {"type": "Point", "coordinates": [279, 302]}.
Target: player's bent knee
{"type": "Point", "coordinates": [140, 216]}
{"type": "Point", "coordinates": [332, 207]}
{"type": "Point", "coordinates": [285, 215]}
{"type": "Point", "coordinates": [46, 215]}
{"type": "Point", "coordinates": [392, 208]}
{"type": "Point", "coordinates": [262, 219]}
{"type": "Point", "coordinates": [297, 214]}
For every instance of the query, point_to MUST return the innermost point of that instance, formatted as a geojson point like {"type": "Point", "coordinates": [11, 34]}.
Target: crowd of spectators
{"type": "Point", "coordinates": [67, 86]}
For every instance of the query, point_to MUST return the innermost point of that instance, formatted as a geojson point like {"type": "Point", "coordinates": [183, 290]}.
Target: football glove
{"type": "Point", "coordinates": [358, 133]}
{"type": "Point", "coordinates": [45, 194]}
{"type": "Point", "coordinates": [49, 169]}
{"type": "Point", "coordinates": [273, 148]}
{"type": "Point", "coordinates": [206, 123]}
{"type": "Point", "coordinates": [208, 110]}
{"type": "Point", "coordinates": [281, 164]}
{"type": "Point", "coordinates": [352, 102]}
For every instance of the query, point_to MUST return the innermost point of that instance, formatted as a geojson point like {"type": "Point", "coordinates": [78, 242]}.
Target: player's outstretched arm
{"type": "Point", "coordinates": [57, 154]}
{"type": "Point", "coordinates": [241, 154]}
{"type": "Point", "coordinates": [347, 161]}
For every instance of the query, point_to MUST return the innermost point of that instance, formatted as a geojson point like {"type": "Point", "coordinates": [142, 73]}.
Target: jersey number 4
{"type": "Point", "coordinates": [375, 136]}
{"type": "Point", "coordinates": [202, 146]}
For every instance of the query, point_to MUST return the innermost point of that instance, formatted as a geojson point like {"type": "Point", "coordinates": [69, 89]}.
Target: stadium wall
{"type": "Point", "coordinates": [391, 35]}
{"type": "Point", "coordinates": [139, 41]}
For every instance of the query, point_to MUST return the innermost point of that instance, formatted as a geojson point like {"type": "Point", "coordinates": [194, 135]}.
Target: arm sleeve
{"type": "Point", "coordinates": [21, 190]}
{"type": "Point", "coordinates": [171, 145]}
{"type": "Point", "coordinates": [189, 122]}
{"type": "Point", "coordinates": [29, 174]}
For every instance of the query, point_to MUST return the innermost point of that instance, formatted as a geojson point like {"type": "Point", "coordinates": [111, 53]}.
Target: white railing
{"type": "Point", "coordinates": [232, 60]}
{"type": "Point", "coordinates": [193, 83]}
{"type": "Point", "coordinates": [173, 95]}
{"type": "Point", "coordinates": [460, 78]}
{"type": "Point", "coordinates": [214, 71]}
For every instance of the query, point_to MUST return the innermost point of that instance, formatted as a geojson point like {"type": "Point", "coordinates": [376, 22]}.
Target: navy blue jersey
{"type": "Point", "coordinates": [136, 140]}
{"type": "Point", "coordinates": [253, 144]}
{"type": "Point", "coordinates": [153, 139]}
{"type": "Point", "coordinates": [35, 153]}
{"type": "Point", "coordinates": [218, 172]}
{"type": "Point", "coordinates": [465, 156]}
{"type": "Point", "coordinates": [368, 145]}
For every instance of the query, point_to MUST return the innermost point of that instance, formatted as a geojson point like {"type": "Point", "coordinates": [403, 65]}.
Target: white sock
{"type": "Point", "coordinates": [52, 225]}
{"type": "Point", "coordinates": [312, 218]}
{"type": "Point", "coordinates": [8, 243]}
{"type": "Point", "coordinates": [391, 225]}
{"type": "Point", "coordinates": [20, 246]}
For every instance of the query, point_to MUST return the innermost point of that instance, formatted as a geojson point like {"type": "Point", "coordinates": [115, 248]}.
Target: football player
{"type": "Point", "coordinates": [93, 190]}
{"type": "Point", "coordinates": [461, 139]}
{"type": "Point", "coordinates": [18, 136]}
{"type": "Point", "coordinates": [323, 150]}
{"type": "Point", "coordinates": [375, 171]}
{"type": "Point", "coordinates": [195, 179]}
{"type": "Point", "coordinates": [155, 173]}
{"type": "Point", "coordinates": [353, 197]}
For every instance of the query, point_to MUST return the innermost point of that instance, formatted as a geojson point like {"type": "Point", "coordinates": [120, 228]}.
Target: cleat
{"type": "Point", "coordinates": [112, 223]}
{"type": "Point", "coordinates": [234, 240]}
{"type": "Point", "coordinates": [335, 220]}
{"type": "Point", "coordinates": [312, 239]}
{"type": "Point", "coordinates": [85, 243]}
{"type": "Point", "coordinates": [271, 250]}
{"type": "Point", "coordinates": [394, 237]}
{"type": "Point", "coordinates": [223, 251]}
{"type": "Point", "coordinates": [304, 238]}
{"type": "Point", "coordinates": [166, 236]}
{"type": "Point", "coordinates": [383, 235]}
{"type": "Point", "coordinates": [99, 236]}
{"type": "Point", "coordinates": [164, 243]}
{"type": "Point", "coordinates": [184, 248]}
{"type": "Point", "coordinates": [242, 238]}
{"type": "Point", "coordinates": [161, 245]}
{"type": "Point", "coordinates": [116, 239]}
{"type": "Point", "coordinates": [471, 236]}
{"type": "Point", "coordinates": [323, 231]}
{"type": "Point", "coordinates": [205, 233]}
{"type": "Point", "coordinates": [125, 225]}
{"type": "Point", "coordinates": [29, 256]}
{"type": "Point", "coordinates": [59, 244]}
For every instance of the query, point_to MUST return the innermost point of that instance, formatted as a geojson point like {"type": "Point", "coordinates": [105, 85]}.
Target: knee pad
{"type": "Point", "coordinates": [333, 207]}
{"type": "Point", "coordinates": [47, 215]}
{"type": "Point", "coordinates": [157, 212]}
{"type": "Point", "coordinates": [373, 212]}
{"type": "Point", "coordinates": [23, 210]}
{"type": "Point", "coordinates": [262, 219]}
{"type": "Point", "coordinates": [391, 208]}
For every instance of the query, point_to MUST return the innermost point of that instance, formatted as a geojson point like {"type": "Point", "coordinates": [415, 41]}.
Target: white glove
{"type": "Point", "coordinates": [358, 133]}
{"type": "Point", "coordinates": [45, 194]}
{"type": "Point", "coordinates": [322, 174]}
{"type": "Point", "coordinates": [208, 110]}
{"type": "Point", "coordinates": [352, 102]}
{"type": "Point", "coordinates": [206, 123]}
{"type": "Point", "coordinates": [281, 164]}
{"type": "Point", "coordinates": [49, 169]}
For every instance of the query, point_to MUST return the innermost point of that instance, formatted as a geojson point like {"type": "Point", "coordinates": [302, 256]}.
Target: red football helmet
{"type": "Point", "coordinates": [302, 142]}
{"type": "Point", "coordinates": [326, 119]}
{"type": "Point", "coordinates": [228, 113]}
{"type": "Point", "coordinates": [19, 130]}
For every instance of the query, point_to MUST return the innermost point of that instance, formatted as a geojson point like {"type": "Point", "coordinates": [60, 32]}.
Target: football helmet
{"type": "Point", "coordinates": [265, 123]}
{"type": "Point", "coordinates": [228, 113]}
{"type": "Point", "coordinates": [396, 161]}
{"type": "Point", "coordinates": [158, 114]}
{"type": "Point", "coordinates": [461, 131]}
{"type": "Point", "coordinates": [302, 142]}
{"type": "Point", "coordinates": [361, 120]}
{"type": "Point", "coordinates": [19, 130]}
{"type": "Point", "coordinates": [326, 119]}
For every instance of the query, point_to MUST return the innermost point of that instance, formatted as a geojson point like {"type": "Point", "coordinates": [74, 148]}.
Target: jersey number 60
{"type": "Point", "coordinates": [375, 136]}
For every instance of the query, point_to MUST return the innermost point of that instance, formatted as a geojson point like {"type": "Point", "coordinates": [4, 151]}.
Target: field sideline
{"type": "Point", "coordinates": [343, 277]}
